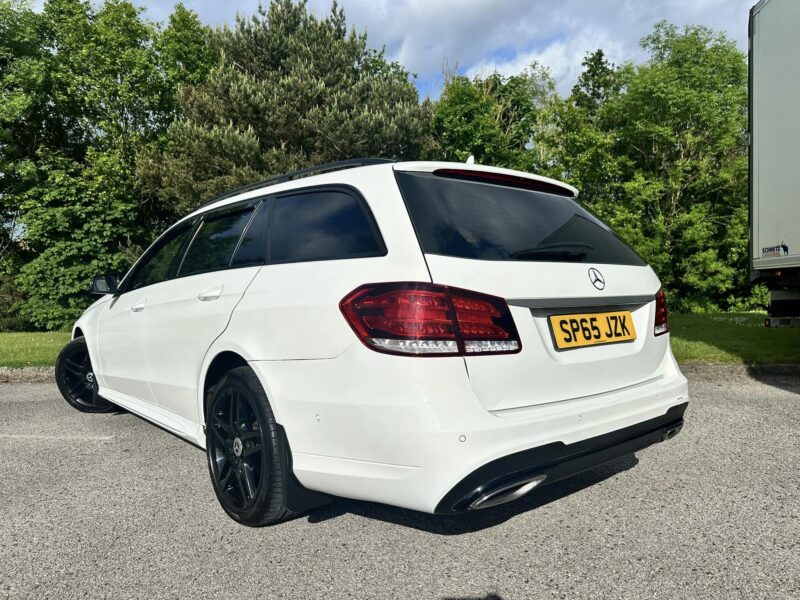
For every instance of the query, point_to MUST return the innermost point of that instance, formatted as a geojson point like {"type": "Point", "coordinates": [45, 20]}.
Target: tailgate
{"type": "Point", "coordinates": [529, 241]}
{"type": "Point", "coordinates": [541, 373]}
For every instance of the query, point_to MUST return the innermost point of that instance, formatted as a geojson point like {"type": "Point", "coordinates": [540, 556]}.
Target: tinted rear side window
{"type": "Point", "coordinates": [469, 219]}
{"type": "Point", "coordinates": [214, 243]}
{"type": "Point", "coordinates": [322, 225]}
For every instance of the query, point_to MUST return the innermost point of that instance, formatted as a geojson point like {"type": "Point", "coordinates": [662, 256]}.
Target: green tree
{"type": "Point", "coordinates": [12, 255]}
{"type": "Point", "coordinates": [24, 121]}
{"type": "Point", "coordinates": [584, 139]}
{"type": "Point", "coordinates": [183, 49]}
{"type": "Point", "coordinates": [659, 150]}
{"type": "Point", "coordinates": [498, 120]}
{"type": "Point", "coordinates": [599, 82]}
{"type": "Point", "coordinates": [85, 93]}
{"type": "Point", "coordinates": [291, 90]}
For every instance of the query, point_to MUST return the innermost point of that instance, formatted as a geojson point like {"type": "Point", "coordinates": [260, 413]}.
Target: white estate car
{"type": "Point", "coordinates": [436, 336]}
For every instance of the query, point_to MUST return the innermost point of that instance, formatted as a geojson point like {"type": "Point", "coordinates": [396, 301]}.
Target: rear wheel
{"type": "Point", "coordinates": [76, 381]}
{"type": "Point", "coordinates": [245, 450]}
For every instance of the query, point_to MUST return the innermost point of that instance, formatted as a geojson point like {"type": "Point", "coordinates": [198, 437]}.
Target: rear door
{"type": "Point", "coordinates": [566, 276]}
{"type": "Point", "coordinates": [187, 313]}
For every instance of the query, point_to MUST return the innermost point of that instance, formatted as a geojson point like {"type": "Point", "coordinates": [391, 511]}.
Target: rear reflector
{"type": "Point", "coordinates": [425, 319]}
{"type": "Point", "coordinates": [662, 316]}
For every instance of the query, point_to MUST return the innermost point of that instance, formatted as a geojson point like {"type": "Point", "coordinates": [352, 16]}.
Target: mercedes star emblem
{"type": "Point", "coordinates": [596, 277]}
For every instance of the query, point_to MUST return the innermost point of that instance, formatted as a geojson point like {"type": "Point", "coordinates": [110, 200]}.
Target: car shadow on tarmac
{"type": "Point", "coordinates": [474, 521]}
{"type": "Point", "coordinates": [784, 377]}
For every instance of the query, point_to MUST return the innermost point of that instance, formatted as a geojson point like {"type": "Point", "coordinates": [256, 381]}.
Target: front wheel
{"type": "Point", "coordinates": [244, 451]}
{"type": "Point", "coordinates": [76, 381]}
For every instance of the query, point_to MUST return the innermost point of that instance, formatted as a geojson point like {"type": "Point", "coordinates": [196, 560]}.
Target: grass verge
{"type": "Point", "coordinates": [709, 338]}
{"type": "Point", "coordinates": [29, 349]}
{"type": "Point", "coordinates": [732, 338]}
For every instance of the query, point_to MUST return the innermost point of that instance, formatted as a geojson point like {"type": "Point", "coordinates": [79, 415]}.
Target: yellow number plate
{"type": "Point", "coordinates": [594, 329]}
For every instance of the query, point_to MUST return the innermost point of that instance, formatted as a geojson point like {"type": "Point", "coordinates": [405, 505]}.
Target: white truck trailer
{"type": "Point", "coordinates": [775, 155]}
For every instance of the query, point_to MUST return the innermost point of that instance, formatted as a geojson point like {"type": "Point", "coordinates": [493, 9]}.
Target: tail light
{"type": "Point", "coordinates": [662, 317]}
{"type": "Point", "coordinates": [425, 319]}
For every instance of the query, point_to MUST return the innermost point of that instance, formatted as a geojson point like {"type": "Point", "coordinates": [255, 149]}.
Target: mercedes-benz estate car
{"type": "Point", "coordinates": [437, 336]}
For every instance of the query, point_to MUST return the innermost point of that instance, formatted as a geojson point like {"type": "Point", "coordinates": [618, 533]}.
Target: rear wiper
{"type": "Point", "coordinates": [554, 251]}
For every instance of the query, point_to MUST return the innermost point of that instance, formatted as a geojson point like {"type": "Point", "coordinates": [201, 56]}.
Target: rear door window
{"type": "Point", "coordinates": [215, 242]}
{"type": "Point", "coordinates": [252, 248]}
{"type": "Point", "coordinates": [487, 221]}
{"type": "Point", "coordinates": [322, 224]}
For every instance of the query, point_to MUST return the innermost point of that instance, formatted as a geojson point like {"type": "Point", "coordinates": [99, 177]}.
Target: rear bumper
{"type": "Point", "coordinates": [556, 461]}
{"type": "Point", "coordinates": [406, 432]}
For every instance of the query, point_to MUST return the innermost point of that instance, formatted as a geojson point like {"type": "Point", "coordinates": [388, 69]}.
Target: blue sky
{"type": "Point", "coordinates": [482, 36]}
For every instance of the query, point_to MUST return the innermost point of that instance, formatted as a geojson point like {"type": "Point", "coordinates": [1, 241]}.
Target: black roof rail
{"type": "Point", "coordinates": [326, 168]}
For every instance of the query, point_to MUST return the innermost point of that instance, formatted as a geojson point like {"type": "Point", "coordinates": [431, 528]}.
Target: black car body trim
{"type": "Point", "coordinates": [558, 460]}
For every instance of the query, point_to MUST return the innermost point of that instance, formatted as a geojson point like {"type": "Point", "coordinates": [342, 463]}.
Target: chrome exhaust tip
{"type": "Point", "coordinates": [506, 493]}
{"type": "Point", "coordinates": [671, 432]}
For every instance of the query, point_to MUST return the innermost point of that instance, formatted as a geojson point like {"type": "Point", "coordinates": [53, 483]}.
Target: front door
{"type": "Point", "coordinates": [121, 328]}
{"type": "Point", "coordinates": [120, 339]}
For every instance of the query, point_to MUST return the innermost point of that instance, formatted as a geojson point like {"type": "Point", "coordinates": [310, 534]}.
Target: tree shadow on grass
{"type": "Point", "coordinates": [474, 521]}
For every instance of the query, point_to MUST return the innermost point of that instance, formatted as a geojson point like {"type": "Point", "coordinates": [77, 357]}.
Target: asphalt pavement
{"type": "Point", "coordinates": [95, 506]}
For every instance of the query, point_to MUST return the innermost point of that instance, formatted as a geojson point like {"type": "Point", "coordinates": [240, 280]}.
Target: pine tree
{"type": "Point", "coordinates": [291, 90]}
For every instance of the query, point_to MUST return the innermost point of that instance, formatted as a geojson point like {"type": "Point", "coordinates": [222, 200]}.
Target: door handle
{"type": "Point", "coordinates": [210, 295]}
{"type": "Point", "coordinates": [138, 307]}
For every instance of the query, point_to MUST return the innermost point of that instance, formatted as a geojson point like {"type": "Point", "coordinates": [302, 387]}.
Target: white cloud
{"type": "Point", "coordinates": [502, 35]}
{"type": "Point", "coordinates": [563, 57]}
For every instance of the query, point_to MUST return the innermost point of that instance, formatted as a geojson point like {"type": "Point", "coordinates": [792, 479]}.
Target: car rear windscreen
{"type": "Point", "coordinates": [486, 221]}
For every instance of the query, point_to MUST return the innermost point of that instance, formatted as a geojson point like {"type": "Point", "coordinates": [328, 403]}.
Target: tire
{"type": "Point", "coordinates": [245, 451]}
{"type": "Point", "coordinates": [75, 379]}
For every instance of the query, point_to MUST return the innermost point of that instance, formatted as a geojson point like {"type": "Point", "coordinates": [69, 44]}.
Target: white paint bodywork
{"type": "Point", "coordinates": [367, 425]}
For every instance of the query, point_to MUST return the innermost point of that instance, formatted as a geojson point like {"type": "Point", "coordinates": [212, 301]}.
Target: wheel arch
{"type": "Point", "coordinates": [223, 355]}
{"type": "Point", "coordinates": [296, 498]}
{"type": "Point", "coordinates": [222, 362]}
{"type": "Point", "coordinates": [86, 328]}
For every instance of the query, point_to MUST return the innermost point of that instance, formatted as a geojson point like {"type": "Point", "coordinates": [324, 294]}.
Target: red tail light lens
{"type": "Point", "coordinates": [424, 319]}
{"type": "Point", "coordinates": [662, 316]}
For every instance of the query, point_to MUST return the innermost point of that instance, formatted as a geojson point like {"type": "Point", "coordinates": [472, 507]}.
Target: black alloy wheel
{"type": "Point", "coordinates": [237, 448]}
{"type": "Point", "coordinates": [76, 381]}
{"type": "Point", "coordinates": [244, 451]}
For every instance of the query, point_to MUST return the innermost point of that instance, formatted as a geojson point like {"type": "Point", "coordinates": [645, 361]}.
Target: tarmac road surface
{"type": "Point", "coordinates": [111, 506]}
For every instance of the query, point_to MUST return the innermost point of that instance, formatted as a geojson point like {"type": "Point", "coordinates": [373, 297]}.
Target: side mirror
{"type": "Point", "coordinates": [105, 284]}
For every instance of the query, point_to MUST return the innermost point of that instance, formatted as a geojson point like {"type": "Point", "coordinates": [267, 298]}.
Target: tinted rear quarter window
{"type": "Point", "coordinates": [322, 225]}
{"type": "Point", "coordinates": [486, 221]}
